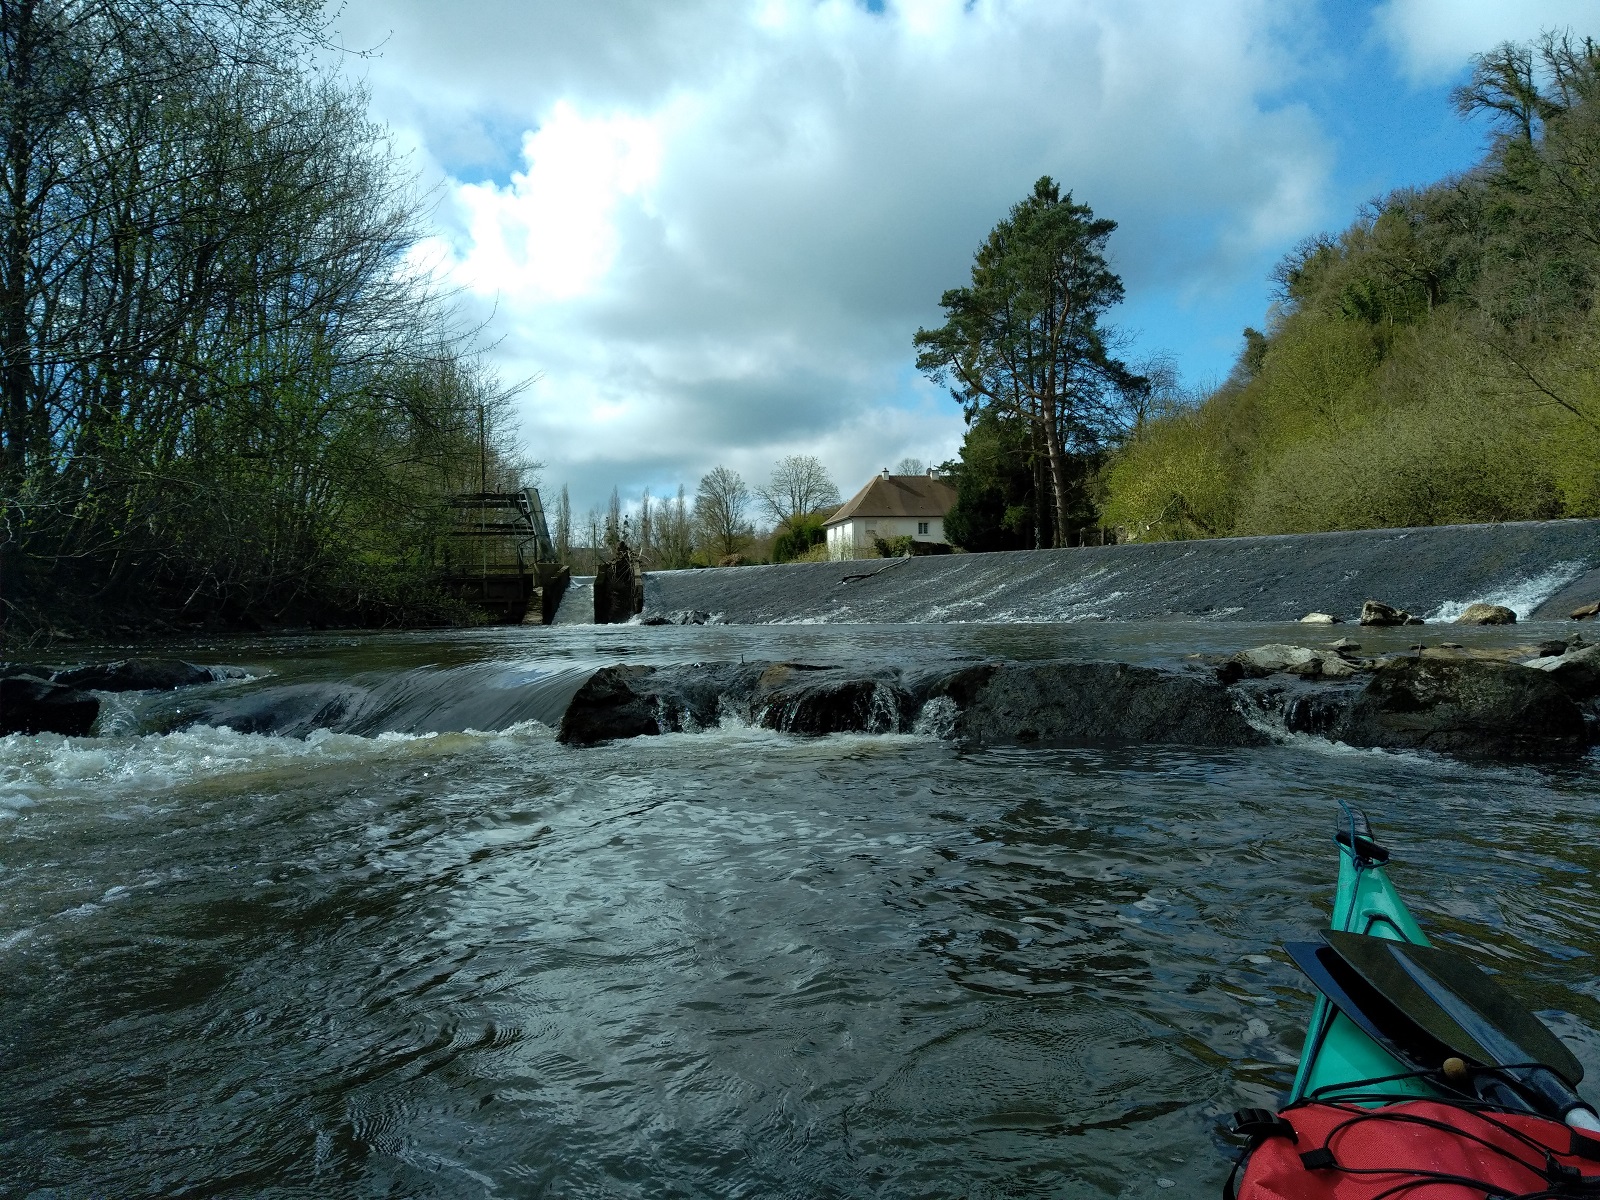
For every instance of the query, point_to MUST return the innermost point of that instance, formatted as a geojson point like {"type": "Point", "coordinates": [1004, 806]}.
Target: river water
{"type": "Point", "coordinates": [410, 959]}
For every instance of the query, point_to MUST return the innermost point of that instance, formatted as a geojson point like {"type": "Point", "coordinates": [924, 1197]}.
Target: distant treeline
{"type": "Point", "coordinates": [223, 391]}
{"type": "Point", "coordinates": [725, 523]}
{"type": "Point", "coordinates": [1438, 362]}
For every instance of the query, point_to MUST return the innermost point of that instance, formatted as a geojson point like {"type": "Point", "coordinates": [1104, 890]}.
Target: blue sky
{"type": "Point", "coordinates": [709, 228]}
{"type": "Point", "coordinates": [1387, 125]}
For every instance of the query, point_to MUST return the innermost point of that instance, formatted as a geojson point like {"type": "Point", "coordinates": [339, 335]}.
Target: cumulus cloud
{"type": "Point", "coordinates": [1435, 38]}
{"type": "Point", "coordinates": [712, 228]}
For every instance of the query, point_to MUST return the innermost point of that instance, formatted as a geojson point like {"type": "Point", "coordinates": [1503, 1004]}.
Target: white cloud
{"type": "Point", "coordinates": [1436, 38]}
{"type": "Point", "coordinates": [549, 234]}
{"type": "Point", "coordinates": [712, 228]}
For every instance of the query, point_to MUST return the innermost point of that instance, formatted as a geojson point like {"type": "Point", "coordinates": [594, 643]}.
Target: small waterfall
{"type": "Point", "coordinates": [577, 603]}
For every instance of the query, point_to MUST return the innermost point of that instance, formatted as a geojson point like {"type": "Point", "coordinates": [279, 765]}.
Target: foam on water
{"type": "Point", "coordinates": [1521, 595]}
{"type": "Point", "coordinates": [36, 769]}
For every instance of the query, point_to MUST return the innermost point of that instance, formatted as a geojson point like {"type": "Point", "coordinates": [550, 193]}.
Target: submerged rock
{"type": "Point", "coordinates": [31, 705]}
{"type": "Point", "coordinates": [1299, 706]}
{"type": "Point", "coordinates": [687, 616]}
{"type": "Point", "coordinates": [858, 705]}
{"type": "Point", "coordinates": [1487, 614]}
{"type": "Point", "coordinates": [286, 710]}
{"type": "Point", "coordinates": [136, 675]}
{"type": "Point", "coordinates": [1467, 708]}
{"type": "Point", "coordinates": [1321, 618]}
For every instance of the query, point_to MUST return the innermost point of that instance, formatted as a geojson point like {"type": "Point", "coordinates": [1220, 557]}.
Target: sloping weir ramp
{"type": "Point", "coordinates": [1538, 568]}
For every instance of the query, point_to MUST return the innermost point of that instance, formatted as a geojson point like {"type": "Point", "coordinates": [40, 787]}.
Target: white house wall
{"type": "Point", "coordinates": [858, 533]}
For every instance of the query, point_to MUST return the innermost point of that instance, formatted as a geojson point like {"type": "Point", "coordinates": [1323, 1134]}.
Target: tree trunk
{"type": "Point", "coordinates": [16, 374]}
{"type": "Point", "coordinates": [1058, 473]}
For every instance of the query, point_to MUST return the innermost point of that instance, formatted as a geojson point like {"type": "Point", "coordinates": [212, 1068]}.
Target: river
{"type": "Point", "coordinates": [399, 957]}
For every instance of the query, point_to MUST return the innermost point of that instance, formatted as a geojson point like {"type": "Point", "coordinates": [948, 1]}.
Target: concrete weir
{"type": "Point", "coordinates": [1538, 568]}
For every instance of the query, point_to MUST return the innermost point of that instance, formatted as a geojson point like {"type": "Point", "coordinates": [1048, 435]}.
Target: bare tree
{"type": "Point", "coordinates": [563, 526]}
{"type": "Point", "coordinates": [613, 532]}
{"type": "Point", "coordinates": [800, 485]}
{"type": "Point", "coordinates": [720, 504]}
{"type": "Point", "coordinates": [220, 384]}
{"type": "Point", "coordinates": [675, 540]}
{"type": "Point", "coordinates": [647, 529]}
{"type": "Point", "coordinates": [911, 466]}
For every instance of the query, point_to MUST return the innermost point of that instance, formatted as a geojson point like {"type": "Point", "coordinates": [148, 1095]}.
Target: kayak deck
{"type": "Point", "coordinates": [1336, 1052]}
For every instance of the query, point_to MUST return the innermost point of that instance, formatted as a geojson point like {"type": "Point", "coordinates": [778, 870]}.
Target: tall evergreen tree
{"type": "Point", "coordinates": [1025, 338]}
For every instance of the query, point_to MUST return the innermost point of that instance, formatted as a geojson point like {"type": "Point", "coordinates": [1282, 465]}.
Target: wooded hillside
{"type": "Point", "coordinates": [1435, 363]}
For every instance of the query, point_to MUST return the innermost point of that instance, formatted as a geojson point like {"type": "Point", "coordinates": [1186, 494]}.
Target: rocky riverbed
{"type": "Point", "coordinates": [1523, 703]}
{"type": "Point", "coordinates": [1531, 702]}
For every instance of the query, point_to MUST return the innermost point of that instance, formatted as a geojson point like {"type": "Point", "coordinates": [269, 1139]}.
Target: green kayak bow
{"type": "Point", "coordinates": [1396, 1017]}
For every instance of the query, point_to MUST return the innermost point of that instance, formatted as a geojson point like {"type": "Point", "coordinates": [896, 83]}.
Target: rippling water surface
{"type": "Point", "coordinates": [726, 964]}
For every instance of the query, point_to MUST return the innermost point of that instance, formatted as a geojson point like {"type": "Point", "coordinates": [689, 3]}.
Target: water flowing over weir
{"type": "Point", "coordinates": [1533, 567]}
{"type": "Point", "coordinates": [349, 920]}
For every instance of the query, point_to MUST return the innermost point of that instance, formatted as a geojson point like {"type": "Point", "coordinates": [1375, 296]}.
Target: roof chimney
{"type": "Point", "coordinates": [886, 472]}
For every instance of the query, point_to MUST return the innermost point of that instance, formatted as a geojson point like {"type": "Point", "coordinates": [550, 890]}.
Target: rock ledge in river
{"type": "Point", "coordinates": [32, 706]}
{"type": "Point", "coordinates": [1466, 708]}
{"type": "Point", "coordinates": [136, 675]}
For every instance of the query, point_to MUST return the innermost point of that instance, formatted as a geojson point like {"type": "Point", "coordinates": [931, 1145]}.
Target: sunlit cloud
{"type": "Point", "coordinates": [549, 233]}
{"type": "Point", "coordinates": [710, 228]}
{"type": "Point", "coordinates": [1435, 38]}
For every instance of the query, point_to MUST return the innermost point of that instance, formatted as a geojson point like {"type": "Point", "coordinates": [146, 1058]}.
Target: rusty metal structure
{"type": "Point", "coordinates": [499, 556]}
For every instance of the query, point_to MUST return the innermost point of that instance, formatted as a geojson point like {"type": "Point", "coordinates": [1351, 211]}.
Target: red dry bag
{"type": "Point", "coordinates": [1419, 1150]}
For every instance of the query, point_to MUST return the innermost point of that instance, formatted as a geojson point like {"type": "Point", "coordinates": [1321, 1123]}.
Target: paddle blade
{"type": "Point", "coordinates": [1455, 1002]}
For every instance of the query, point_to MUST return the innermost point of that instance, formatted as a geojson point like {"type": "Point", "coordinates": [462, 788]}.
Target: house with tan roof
{"type": "Point", "coordinates": [890, 506]}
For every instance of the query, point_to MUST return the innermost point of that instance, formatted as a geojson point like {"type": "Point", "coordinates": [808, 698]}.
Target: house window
{"type": "Point", "coordinates": [922, 528]}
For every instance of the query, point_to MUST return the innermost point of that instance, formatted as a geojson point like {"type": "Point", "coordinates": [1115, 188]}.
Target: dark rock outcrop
{"type": "Point", "coordinates": [1487, 614]}
{"type": "Point", "coordinates": [616, 702]}
{"type": "Point", "coordinates": [31, 705]}
{"type": "Point", "coordinates": [1467, 708]}
{"type": "Point", "coordinates": [135, 675]}
{"type": "Point", "coordinates": [997, 704]}
{"type": "Point", "coordinates": [1374, 612]}
{"type": "Point", "coordinates": [1092, 704]}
